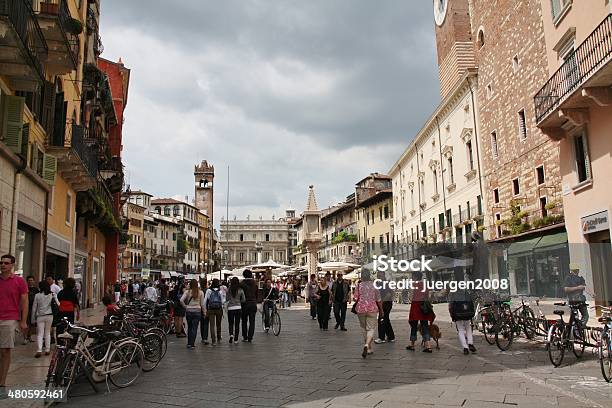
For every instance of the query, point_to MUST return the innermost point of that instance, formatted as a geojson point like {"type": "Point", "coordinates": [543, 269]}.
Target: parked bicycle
{"type": "Point", "coordinates": [564, 336]}
{"type": "Point", "coordinates": [605, 343]}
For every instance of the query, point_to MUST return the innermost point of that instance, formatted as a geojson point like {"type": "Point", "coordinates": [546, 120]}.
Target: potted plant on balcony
{"type": "Point", "coordinates": [73, 26]}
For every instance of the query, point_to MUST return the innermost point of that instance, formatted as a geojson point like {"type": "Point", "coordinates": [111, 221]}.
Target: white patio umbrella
{"type": "Point", "coordinates": [270, 264]}
{"type": "Point", "coordinates": [337, 266]}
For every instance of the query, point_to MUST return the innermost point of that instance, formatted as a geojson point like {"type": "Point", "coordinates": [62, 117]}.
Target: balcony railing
{"type": "Point", "coordinates": [23, 19]}
{"type": "Point", "coordinates": [86, 153]}
{"type": "Point", "coordinates": [594, 51]}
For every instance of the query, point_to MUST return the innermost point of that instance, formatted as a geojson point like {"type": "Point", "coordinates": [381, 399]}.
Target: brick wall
{"type": "Point", "coordinates": [512, 28]}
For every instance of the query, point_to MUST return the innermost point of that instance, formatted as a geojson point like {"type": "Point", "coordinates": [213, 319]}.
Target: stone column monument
{"type": "Point", "coordinates": [312, 231]}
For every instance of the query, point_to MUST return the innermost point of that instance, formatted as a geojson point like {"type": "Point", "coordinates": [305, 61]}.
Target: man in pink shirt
{"type": "Point", "coordinates": [13, 314]}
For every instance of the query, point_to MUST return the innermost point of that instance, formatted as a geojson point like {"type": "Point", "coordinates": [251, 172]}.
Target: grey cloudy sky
{"type": "Point", "coordinates": [287, 93]}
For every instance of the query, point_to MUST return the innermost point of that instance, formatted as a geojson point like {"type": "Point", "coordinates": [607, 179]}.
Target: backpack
{"type": "Point", "coordinates": [463, 310]}
{"type": "Point", "coordinates": [214, 300]}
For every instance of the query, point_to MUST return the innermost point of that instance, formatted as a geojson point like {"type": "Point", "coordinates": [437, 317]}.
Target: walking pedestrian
{"type": "Point", "coordinates": [385, 330]}
{"type": "Point", "coordinates": [235, 299]}
{"type": "Point", "coordinates": [330, 282]}
{"type": "Point", "coordinates": [32, 291]}
{"type": "Point", "coordinates": [193, 302]}
{"type": "Point", "coordinates": [179, 310]}
{"type": "Point", "coordinates": [368, 304]}
{"type": "Point", "coordinates": [204, 320]}
{"type": "Point", "coordinates": [324, 300]}
{"type": "Point", "coordinates": [68, 304]}
{"type": "Point", "coordinates": [42, 315]}
{"type": "Point", "coordinates": [461, 309]}
{"type": "Point", "coordinates": [270, 296]}
{"type": "Point", "coordinates": [421, 312]}
{"type": "Point", "coordinates": [13, 314]}
{"type": "Point", "coordinates": [130, 291]}
{"type": "Point", "coordinates": [311, 291]}
{"type": "Point", "coordinates": [150, 293]}
{"type": "Point", "coordinates": [213, 309]}
{"type": "Point", "coordinates": [341, 293]}
{"type": "Point", "coordinates": [117, 290]}
{"type": "Point", "coordinates": [249, 308]}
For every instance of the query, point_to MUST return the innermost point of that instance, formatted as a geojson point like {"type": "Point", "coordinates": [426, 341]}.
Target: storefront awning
{"type": "Point", "coordinates": [552, 241]}
{"type": "Point", "coordinates": [523, 246]}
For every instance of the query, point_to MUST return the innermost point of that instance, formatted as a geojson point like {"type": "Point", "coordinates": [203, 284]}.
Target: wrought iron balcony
{"type": "Point", "coordinates": [582, 67]}
{"type": "Point", "coordinates": [23, 49]}
{"type": "Point", "coordinates": [61, 32]}
{"type": "Point", "coordinates": [77, 161]}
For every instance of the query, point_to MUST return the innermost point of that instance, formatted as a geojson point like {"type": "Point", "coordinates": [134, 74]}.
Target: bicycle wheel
{"type": "Point", "coordinates": [56, 357]}
{"type": "Point", "coordinates": [125, 363]}
{"type": "Point", "coordinates": [164, 338]}
{"type": "Point", "coordinates": [579, 343]}
{"type": "Point", "coordinates": [505, 334]}
{"type": "Point", "coordinates": [488, 329]}
{"type": "Point", "coordinates": [605, 356]}
{"type": "Point", "coordinates": [556, 344]}
{"type": "Point", "coordinates": [528, 323]}
{"type": "Point", "coordinates": [276, 323]}
{"type": "Point", "coordinates": [152, 346]}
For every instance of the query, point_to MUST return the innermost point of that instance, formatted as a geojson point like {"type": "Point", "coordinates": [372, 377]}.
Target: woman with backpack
{"type": "Point", "coordinates": [462, 310]}
{"type": "Point", "coordinates": [421, 311]}
{"type": "Point", "coordinates": [213, 310]}
{"type": "Point", "coordinates": [193, 302]}
{"type": "Point", "coordinates": [42, 315]}
{"type": "Point", "coordinates": [235, 299]}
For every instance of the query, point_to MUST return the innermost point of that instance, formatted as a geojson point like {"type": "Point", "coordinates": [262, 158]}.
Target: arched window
{"type": "Point", "coordinates": [167, 211]}
{"type": "Point", "coordinates": [481, 38]}
{"type": "Point", "coordinates": [175, 211]}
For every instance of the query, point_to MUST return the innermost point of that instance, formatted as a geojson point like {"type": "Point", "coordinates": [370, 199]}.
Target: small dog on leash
{"type": "Point", "coordinates": [434, 333]}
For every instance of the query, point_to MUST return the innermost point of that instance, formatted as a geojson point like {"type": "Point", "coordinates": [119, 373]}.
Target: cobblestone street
{"type": "Point", "coordinates": [305, 367]}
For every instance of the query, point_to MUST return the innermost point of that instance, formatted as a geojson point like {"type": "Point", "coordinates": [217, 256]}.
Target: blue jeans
{"type": "Point", "coordinates": [193, 321]}
{"type": "Point", "coordinates": [413, 329]}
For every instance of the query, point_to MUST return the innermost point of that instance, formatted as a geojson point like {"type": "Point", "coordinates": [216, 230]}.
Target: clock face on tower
{"type": "Point", "coordinates": [440, 7]}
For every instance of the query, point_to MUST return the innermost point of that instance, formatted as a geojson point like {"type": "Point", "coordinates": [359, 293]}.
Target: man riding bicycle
{"type": "Point", "coordinates": [270, 296]}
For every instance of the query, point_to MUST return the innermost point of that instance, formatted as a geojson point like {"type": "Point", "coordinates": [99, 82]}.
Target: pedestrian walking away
{"type": "Point", "coordinates": [368, 308]}
{"type": "Point", "coordinates": [235, 299]}
{"type": "Point", "coordinates": [461, 309]}
{"type": "Point", "coordinates": [385, 329]}
{"type": "Point", "coordinates": [193, 302]}
{"type": "Point", "coordinates": [324, 300]}
{"type": "Point", "coordinates": [341, 293]}
{"type": "Point", "coordinates": [68, 305]}
{"type": "Point", "coordinates": [311, 298]}
{"type": "Point", "coordinates": [179, 310]}
{"type": "Point", "coordinates": [42, 315]}
{"type": "Point", "coordinates": [213, 310]}
{"type": "Point", "coordinates": [421, 312]}
{"type": "Point", "coordinates": [249, 307]}
{"type": "Point", "coordinates": [32, 291]}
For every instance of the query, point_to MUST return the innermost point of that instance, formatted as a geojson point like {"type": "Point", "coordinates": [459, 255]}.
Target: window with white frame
{"type": "Point", "coordinates": [581, 157]}
{"type": "Point", "coordinates": [470, 154]}
{"type": "Point", "coordinates": [558, 7]}
{"type": "Point", "coordinates": [451, 170]}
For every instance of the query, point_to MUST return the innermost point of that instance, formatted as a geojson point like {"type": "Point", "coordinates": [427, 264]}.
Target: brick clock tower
{"type": "Point", "coordinates": [453, 40]}
{"type": "Point", "coordinates": [204, 175]}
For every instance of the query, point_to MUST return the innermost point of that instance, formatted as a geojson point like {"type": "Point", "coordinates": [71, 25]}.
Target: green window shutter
{"type": "Point", "coordinates": [25, 140]}
{"type": "Point", "coordinates": [12, 121]}
{"type": "Point", "coordinates": [49, 168]}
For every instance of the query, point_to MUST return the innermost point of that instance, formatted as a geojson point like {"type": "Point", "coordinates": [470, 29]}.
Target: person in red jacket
{"type": "Point", "coordinates": [421, 311]}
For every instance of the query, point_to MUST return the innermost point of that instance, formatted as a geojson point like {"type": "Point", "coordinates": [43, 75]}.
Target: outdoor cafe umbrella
{"type": "Point", "coordinates": [269, 265]}
{"type": "Point", "coordinates": [337, 266]}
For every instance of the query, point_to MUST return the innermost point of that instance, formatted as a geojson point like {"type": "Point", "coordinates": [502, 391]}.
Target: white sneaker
{"type": "Point", "coordinates": [379, 341]}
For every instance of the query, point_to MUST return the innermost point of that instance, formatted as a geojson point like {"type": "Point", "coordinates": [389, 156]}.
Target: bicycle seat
{"type": "Point", "coordinates": [560, 304]}
{"type": "Point", "coordinates": [559, 312]}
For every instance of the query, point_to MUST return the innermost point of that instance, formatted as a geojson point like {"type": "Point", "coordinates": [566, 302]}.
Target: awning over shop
{"type": "Point", "coordinates": [552, 242]}
{"type": "Point", "coordinates": [526, 245]}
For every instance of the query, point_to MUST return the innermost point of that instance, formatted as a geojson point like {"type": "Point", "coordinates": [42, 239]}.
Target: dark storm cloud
{"type": "Point", "coordinates": [288, 93]}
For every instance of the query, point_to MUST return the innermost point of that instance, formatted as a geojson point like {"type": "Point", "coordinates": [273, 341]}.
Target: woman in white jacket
{"type": "Point", "coordinates": [42, 315]}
